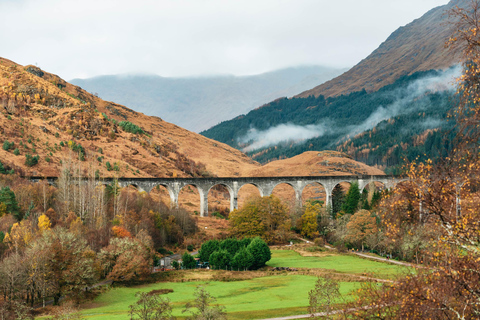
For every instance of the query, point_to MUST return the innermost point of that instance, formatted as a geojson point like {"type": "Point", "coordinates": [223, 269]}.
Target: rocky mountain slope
{"type": "Point", "coordinates": [206, 100]}
{"type": "Point", "coordinates": [46, 123]}
{"type": "Point", "coordinates": [418, 46]}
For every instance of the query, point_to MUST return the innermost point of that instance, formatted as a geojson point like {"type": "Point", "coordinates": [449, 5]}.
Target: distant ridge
{"type": "Point", "coordinates": [418, 46]}
{"type": "Point", "coordinates": [197, 103]}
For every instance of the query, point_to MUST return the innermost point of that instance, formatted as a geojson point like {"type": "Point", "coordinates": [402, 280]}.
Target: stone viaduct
{"type": "Point", "coordinates": [265, 185]}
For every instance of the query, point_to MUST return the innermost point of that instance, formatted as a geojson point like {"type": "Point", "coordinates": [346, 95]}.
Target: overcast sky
{"type": "Point", "coordinates": [175, 38]}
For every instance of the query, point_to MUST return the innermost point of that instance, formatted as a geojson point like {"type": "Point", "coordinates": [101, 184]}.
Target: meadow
{"type": "Point", "coordinates": [265, 296]}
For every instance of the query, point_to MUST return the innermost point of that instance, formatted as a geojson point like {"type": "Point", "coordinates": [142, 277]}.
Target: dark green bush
{"type": "Point", "coordinates": [30, 160]}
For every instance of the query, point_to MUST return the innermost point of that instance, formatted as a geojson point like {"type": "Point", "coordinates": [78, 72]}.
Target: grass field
{"type": "Point", "coordinates": [260, 297]}
{"type": "Point", "coordinates": [268, 296]}
{"type": "Point", "coordinates": [343, 263]}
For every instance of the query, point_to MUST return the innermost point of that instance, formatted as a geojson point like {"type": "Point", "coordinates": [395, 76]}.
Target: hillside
{"type": "Point", "coordinates": [418, 46]}
{"type": "Point", "coordinates": [42, 112]}
{"type": "Point", "coordinates": [207, 100]}
{"type": "Point", "coordinates": [45, 122]}
{"type": "Point", "coordinates": [379, 128]}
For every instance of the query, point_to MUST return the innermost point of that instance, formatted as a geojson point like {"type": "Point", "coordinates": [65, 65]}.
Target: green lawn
{"type": "Point", "coordinates": [270, 296]}
{"type": "Point", "coordinates": [339, 262]}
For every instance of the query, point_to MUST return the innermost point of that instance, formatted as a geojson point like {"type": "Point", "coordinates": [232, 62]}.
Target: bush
{"type": "Point", "coordinates": [2, 169]}
{"type": "Point", "coordinates": [190, 248]}
{"type": "Point", "coordinates": [260, 253]}
{"type": "Point", "coordinates": [31, 161]}
{"type": "Point", "coordinates": [16, 152]}
{"type": "Point", "coordinates": [7, 145]}
{"type": "Point", "coordinates": [130, 127]}
{"type": "Point", "coordinates": [207, 249]}
{"type": "Point", "coordinates": [188, 261]}
{"type": "Point", "coordinates": [109, 166]}
{"type": "Point", "coordinates": [220, 259]}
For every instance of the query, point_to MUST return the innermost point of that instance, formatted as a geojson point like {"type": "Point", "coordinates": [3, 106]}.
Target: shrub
{"type": "Point", "coordinates": [190, 248]}
{"type": "Point", "coordinates": [31, 161]}
{"type": "Point", "coordinates": [8, 145]}
{"type": "Point", "coordinates": [47, 158]}
{"type": "Point", "coordinates": [2, 168]}
{"type": "Point", "coordinates": [109, 166]}
{"type": "Point", "coordinates": [130, 127]}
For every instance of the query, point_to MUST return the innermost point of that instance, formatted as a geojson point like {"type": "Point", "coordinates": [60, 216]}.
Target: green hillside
{"type": "Point", "coordinates": [407, 118]}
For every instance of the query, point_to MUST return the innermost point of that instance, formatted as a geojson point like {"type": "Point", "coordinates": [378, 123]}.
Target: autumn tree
{"type": "Point", "coordinates": [150, 307]}
{"type": "Point", "coordinates": [361, 225]}
{"type": "Point", "coordinates": [70, 261]}
{"type": "Point", "coordinates": [266, 217]}
{"type": "Point", "coordinates": [309, 220]}
{"type": "Point", "coordinates": [448, 285]}
{"type": "Point", "coordinates": [127, 259]}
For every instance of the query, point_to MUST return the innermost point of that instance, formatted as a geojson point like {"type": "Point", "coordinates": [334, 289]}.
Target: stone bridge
{"type": "Point", "coordinates": [265, 185]}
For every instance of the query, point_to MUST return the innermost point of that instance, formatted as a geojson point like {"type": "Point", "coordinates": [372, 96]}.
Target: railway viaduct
{"type": "Point", "coordinates": [265, 185]}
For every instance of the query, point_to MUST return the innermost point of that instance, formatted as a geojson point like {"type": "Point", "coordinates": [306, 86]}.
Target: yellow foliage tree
{"type": "Point", "coordinates": [44, 223]}
{"type": "Point", "coordinates": [19, 236]}
{"type": "Point", "coordinates": [309, 220]}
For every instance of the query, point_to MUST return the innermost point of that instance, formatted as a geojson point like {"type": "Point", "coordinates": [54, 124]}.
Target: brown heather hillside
{"type": "Point", "coordinates": [418, 46]}
{"type": "Point", "coordinates": [40, 112]}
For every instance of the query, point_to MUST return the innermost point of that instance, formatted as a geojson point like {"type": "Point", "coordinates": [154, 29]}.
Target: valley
{"type": "Point", "coordinates": [352, 198]}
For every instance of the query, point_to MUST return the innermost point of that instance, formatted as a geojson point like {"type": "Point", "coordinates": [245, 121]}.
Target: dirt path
{"type": "Point", "coordinates": [383, 259]}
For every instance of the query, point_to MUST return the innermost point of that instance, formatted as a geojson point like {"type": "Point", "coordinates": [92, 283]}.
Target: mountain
{"type": "Point", "coordinates": [393, 104]}
{"type": "Point", "coordinates": [379, 128]}
{"type": "Point", "coordinates": [418, 46]}
{"type": "Point", "coordinates": [47, 123]}
{"type": "Point", "coordinates": [206, 100]}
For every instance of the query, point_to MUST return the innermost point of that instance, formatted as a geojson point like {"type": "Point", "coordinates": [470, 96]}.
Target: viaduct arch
{"type": "Point", "coordinates": [233, 184]}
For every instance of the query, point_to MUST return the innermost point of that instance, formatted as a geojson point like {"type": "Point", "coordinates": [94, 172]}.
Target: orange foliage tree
{"type": "Point", "coordinates": [443, 197]}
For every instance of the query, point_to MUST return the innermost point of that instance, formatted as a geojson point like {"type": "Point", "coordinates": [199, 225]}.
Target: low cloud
{"type": "Point", "coordinates": [282, 133]}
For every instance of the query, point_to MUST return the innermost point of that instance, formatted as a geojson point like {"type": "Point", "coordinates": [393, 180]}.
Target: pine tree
{"type": "Point", "coordinates": [351, 199]}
